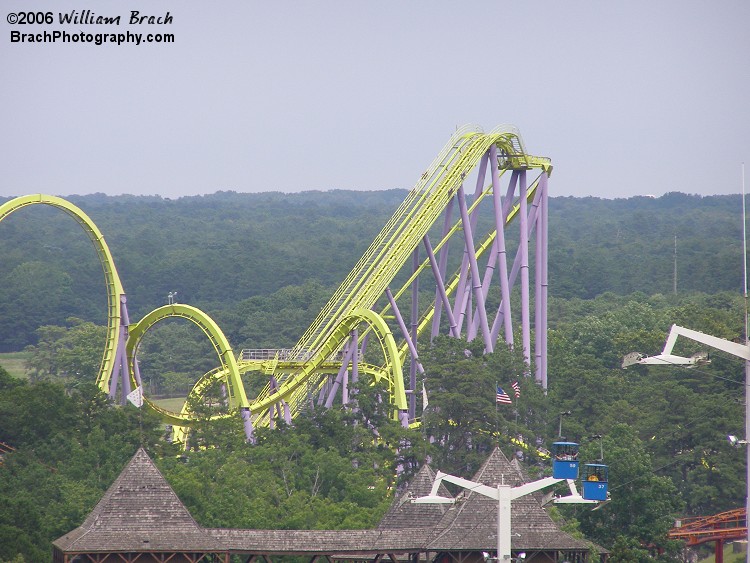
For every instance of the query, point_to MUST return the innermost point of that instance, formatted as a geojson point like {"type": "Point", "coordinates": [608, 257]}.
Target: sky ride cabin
{"type": "Point", "coordinates": [565, 465]}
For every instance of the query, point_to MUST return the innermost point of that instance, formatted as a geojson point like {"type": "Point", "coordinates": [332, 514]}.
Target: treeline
{"type": "Point", "coordinates": [229, 253]}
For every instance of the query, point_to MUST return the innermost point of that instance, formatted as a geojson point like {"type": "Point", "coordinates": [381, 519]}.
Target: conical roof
{"type": "Point", "coordinates": [471, 524]}
{"type": "Point", "coordinates": [139, 512]}
{"type": "Point", "coordinates": [405, 514]}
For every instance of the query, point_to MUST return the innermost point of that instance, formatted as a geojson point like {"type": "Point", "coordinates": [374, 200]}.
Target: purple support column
{"type": "Point", "coordinates": [355, 356]}
{"type": "Point", "coordinates": [324, 391]}
{"type": "Point", "coordinates": [247, 424]}
{"type": "Point", "coordinates": [439, 273]}
{"type": "Point", "coordinates": [517, 262]}
{"type": "Point", "coordinates": [335, 387]}
{"type": "Point", "coordinates": [475, 279]}
{"type": "Point", "coordinates": [458, 302]}
{"type": "Point", "coordinates": [124, 325]}
{"type": "Point", "coordinates": [459, 308]}
{"type": "Point", "coordinates": [121, 365]}
{"type": "Point", "coordinates": [114, 377]}
{"type": "Point", "coordinates": [414, 325]}
{"type": "Point", "coordinates": [273, 386]}
{"type": "Point", "coordinates": [402, 325]}
{"type": "Point", "coordinates": [440, 288]}
{"type": "Point", "coordinates": [545, 281]}
{"type": "Point", "coordinates": [524, 251]}
{"type": "Point", "coordinates": [538, 253]}
{"type": "Point", "coordinates": [345, 388]}
{"type": "Point", "coordinates": [339, 377]}
{"type": "Point", "coordinates": [502, 259]}
{"type": "Point", "coordinates": [471, 319]}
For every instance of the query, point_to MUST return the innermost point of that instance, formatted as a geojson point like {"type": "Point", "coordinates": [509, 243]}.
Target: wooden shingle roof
{"type": "Point", "coordinates": [405, 514]}
{"type": "Point", "coordinates": [139, 512]}
{"type": "Point", "coordinates": [471, 524]}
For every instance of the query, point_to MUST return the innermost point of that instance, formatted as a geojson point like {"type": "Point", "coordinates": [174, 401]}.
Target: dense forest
{"type": "Point", "coordinates": [264, 264]}
{"type": "Point", "coordinates": [229, 253]}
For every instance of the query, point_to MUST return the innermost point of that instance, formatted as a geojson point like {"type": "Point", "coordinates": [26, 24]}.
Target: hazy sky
{"type": "Point", "coordinates": [626, 97]}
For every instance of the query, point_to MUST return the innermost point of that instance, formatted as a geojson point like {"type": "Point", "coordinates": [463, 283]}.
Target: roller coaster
{"type": "Point", "coordinates": [361, 330]}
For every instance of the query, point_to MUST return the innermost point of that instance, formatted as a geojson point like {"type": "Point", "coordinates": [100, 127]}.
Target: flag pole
{"type": "Point", "coordinates": [497, 417]}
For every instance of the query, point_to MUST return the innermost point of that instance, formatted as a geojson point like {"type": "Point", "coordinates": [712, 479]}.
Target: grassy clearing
{"type": "Point", "coordinates": [729, 556]}
{"type": "Point", "coordinates": [174, 404]}
{"type": "Point", "coordinates": [15, 363]}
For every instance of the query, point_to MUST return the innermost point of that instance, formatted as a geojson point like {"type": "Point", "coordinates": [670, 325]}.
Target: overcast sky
{"type": "Point", "coordinates": [627, 98]}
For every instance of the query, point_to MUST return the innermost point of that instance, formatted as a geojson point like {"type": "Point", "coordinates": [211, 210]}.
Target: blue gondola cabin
{"type": "Point", "coordinates": [565, 460]}
{"type": "Point", "coordinates": [594, 483]}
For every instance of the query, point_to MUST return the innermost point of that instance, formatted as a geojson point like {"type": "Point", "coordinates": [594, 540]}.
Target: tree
{"type": "Point", "coordinates": [643, 504]}
{"type": "Point", "coordinates": [72, 354]}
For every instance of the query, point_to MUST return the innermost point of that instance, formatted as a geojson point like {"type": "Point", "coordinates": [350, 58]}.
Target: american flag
{"type": "Point", "coordinates": [502, 397]}
{"type": "Point", "coordinates": [516, 389]}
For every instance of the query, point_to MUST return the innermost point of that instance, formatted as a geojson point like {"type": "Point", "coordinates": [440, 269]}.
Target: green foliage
{"type": "Point", "coordinates": [69, 448]}
{"type": "Point", "coordinates": [221, 250]}
{"type": "Point", "coordinates": [72, 354]}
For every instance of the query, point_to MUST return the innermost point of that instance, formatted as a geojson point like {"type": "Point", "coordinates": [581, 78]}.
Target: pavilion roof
{"type": "Point", "coordinates": [471, 524]}
{"type": "Point", "coordinates": [139, 512]}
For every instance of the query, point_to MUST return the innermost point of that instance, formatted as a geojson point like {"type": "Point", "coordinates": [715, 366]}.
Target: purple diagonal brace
{"type": "Point", "coordinates": [502, 258]}
{"type": "Point", "coordinates": [439, 273]}
{"type": "Point", "coordinates": [440, 287]}
{"type": "Point", "coordinates": [475, 279]}
{"type": "Point", "coordinates": [524, 252]}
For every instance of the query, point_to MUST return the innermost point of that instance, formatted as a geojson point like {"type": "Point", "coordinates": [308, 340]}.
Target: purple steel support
{"type": "Point", "coordinates": [124, 324]}
{"type": "Point", "coordinates": [465, 291]}
{"type": "Point", "coordinates": [402, 325]}
{"type": "Point", "coordinates": [403, 416]}
{"type": "Point", "coordinates": [323, 391]}
{"type": "Point", "coordinates": [516, 268]}
{"type": "Point", "coordinates": [542, 330]}
{"type": "Point", "coordinates": [475, 279]}
{"type": "Point", "coordinates": [345, 388]}
{"type": "Point", "coordinates": [287, 413]}
{"type": "Point", "coordinates": [121, 365]}
{"type": "Point", "coordinates": [471, 319]}
{"type": "Point", "coordinates": [459, 308]}
{"type": "Point", "coordinates": [345, 362]}
{"type": "Point", "coordinates": [440, 273]}
{"type": "Point", "coordinates": [440, 289]}
{"type": "Point", "coordinates": [524, 251]}
{"type": "Point", "coordinates": [120, 373]}
{"type": "Point", "coordinates": [355, 355]}
{"type": "Point", "coordinates": [339, 377]}
{"type": "Point", "coordinates": [335, 386]}
{"type": "Point", "coordinates": [458, 302]}
{"type": "Point", "coordinates": [499, 243]}
{"type": "Point", "coordinates": [538, 255]}
{"type": "Point", "coordinates": [414, 336]}
{"type": "Point", "coordinates": [248, 424]}
{"type": "Point", "coordinates": [502, 258]}
{"type": "Point", "coordinates": [274, 385]}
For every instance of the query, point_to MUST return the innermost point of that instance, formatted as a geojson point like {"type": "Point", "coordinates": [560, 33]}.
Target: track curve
{"type": "Point", "coordinates": [115, 291]}
{"type": "Point", "coordinates": [228, 369]}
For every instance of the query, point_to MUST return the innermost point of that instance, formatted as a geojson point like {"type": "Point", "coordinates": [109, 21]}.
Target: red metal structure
{"type": "Point", "coordinates": [725, 526]}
